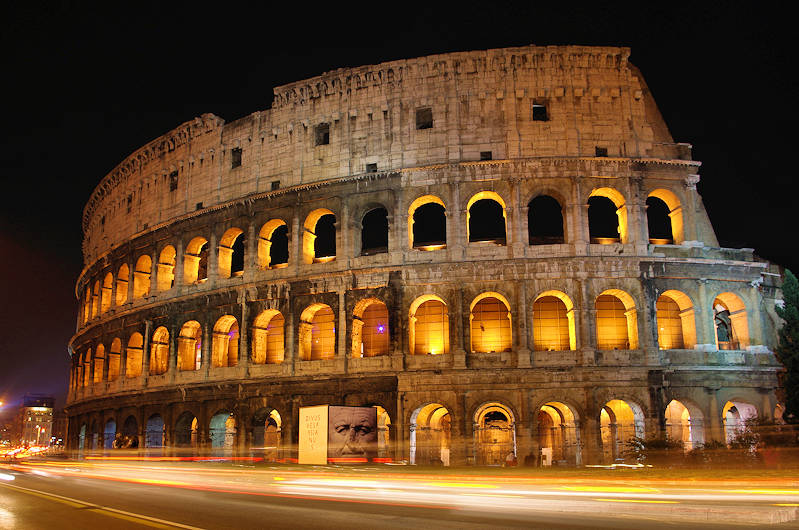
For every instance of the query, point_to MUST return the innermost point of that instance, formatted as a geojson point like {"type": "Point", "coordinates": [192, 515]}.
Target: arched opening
{"type": "Point", "coordinates": [190, 344]}
{"type": "Point", "coordinates": [141, 276]}
{"type": "Point", "coordinates": [87, 367]}
{"type": "Point", "coordinates": [732, 327]}
{"type": "Point", "coordinates": [370, 335]}
{"type": "Point", "coordinates": [107, 290]}
{"type": "Point", "coordinates": [122, 284]}
{"type": "Point", "coordinates": [82, 438]}
{"type": "Point", "coordinates": [99, 362]}
{"type": "Point", "coordinates": [620, 422]}
{"type": "Point", "coordinates": [383, 433]}
{"type": "Point", "coordinates": [374, 232]}
{"type": "Point", "coordinates": [675, 321]}
{"type": "Point", "coordinates": [87, 304]}
{"type": "Point", "coordinates": [427, 224]}
{"type": "Point", "coordinates": [134, 356]}
{"type": "Point", "coordinates": [317, 333]}
{"type": "Point", "coordinates": [268, 337]}
{"type": "Point", "coordinates": [113, 359]}
{"type": "Point", "coordinates": [494, 435]}
{"type": "Point", "coordinates": [195, 261]}
{"type": "Point", "coordinates": [95, 436]}
{"type": "Point", "coordinates": [186, 430]}
{"type": "Point", "coordinates": [109, 434]}
{"type": "Point", "coordinates": [735, 415]}
{"type": "Point", "coordinates": [231, 253]}
{"type": "Point", "coordinates": [553, 322]}
{"type": "Point", "coordinates": [129, 438]}
{"type": "Point", "coordinates": [225, 345]}
{"type": "Point", "coordinates": [430, 436]}
{"type": "Point", "coordinates": [558, 434]}
{"type": "Point", "coordinates": [485, 218]}
{"type": "Point", "coordinates": [319, 237]}
{"type": "Point", "coordinates": [267, 434]}
{"type": "Point", "coordinates": [545, 221]}
{"type": "Point", "coordinates": [616, 321]}
{"type": "Point", "coordinates": [607, 216]}
{"type": "Point", "coordinates": [96, 299]}
{"type": "Point", "coordinates": [429, 326]}
{"type": "Point", "coordinates": [166, 268]}
{"type": "Point", "coordinates": [159, 351]}
{"type": "Point", "coordinates": [222, 432]}
{"type": "Point", "coordinates": [154, 432]}
{"type": "Point", "coordinates": [664, 218]}
{"type": "Point", "coordinates": [684, 425]}
{"type": "Point", "coordinates": [490, 324]}
{"type": "Point", "coordinates": [273, 245]}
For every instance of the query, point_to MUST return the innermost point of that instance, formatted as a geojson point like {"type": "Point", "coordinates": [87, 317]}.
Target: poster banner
{"type": "Point", "coordinates": [352, 435]}
{"type": "Point", "coordinates": [313, 435]}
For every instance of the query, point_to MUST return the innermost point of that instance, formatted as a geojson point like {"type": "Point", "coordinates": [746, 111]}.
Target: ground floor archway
{"type": "Point", "coordinates": [558, 431]}
{"type": "Point", "coordinates": [620, 422]}
{"type": "Point", "coordinates": [494, 435]}
{"type": "Point", "coordinates": [430, 435]}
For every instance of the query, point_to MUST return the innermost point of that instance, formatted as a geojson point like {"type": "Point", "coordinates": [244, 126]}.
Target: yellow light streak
{"type": "Point", "coordinates": [460, 485]}
{"type": "Point", "coordinates": [610, 489]}
{"type": "Point", "coordinates": [638, 501]}
{"type": "Point", "coordinates": [768, 492]}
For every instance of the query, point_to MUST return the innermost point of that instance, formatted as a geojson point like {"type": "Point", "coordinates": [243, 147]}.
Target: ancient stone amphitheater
{"type": "Point", "coordinates": [503, 250]}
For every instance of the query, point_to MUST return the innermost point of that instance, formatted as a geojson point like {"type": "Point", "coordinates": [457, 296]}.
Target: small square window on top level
{"type": "Point", "coordinates": [235, 155]}
{"type": "Point", "coordinates": [540, 111]}
{"type": "Point", "coordinates": [424, 118]}
{"type": "Point", "coordinates": [322, 134]}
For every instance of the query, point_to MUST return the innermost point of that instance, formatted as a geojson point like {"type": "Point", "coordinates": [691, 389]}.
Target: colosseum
{"type": "Point", "coordinates": [504, 251]}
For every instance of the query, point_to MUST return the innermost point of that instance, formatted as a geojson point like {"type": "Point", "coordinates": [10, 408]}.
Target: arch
{"type": "Point", "coordinates": [486, 218]}
{"type": "Point", "coordinates": [684, 425]}
{"type": "Point", "coordinates": [114, 356]}
{"type": "Point", "coordinates": [676, 322]}
{"type": "Point", "coordinates": [87, 304]}
{"type": "Point", "coordinates": [231, 253]}
{"type": "Point", "coordinates": [553, 322]}
{"type": "Point", "coordinates": [122, 284]}
{"type": "Point", "coordinates": [370, 333]}
{"type": "Point", "coordinates": [494, 434]}
{"type": "Point", "coordinates": [490, 323]}
{"type": "Point", "coordinates": [106, 292]}
{"type": "Point", "coordinates": [383, 433]}
{"type": "Point", "coordinates": [545, 224]}
{"type": "Point", "coordinates": [374, 231]}
{"type": "Point", "coordinates": [731, 322]}
{"type": "Point", "coordinates": [607, 216]}
{"type": "Point", "coordinates": [620, 422]}
{"type": "Point", "coordinates": [267, 433]}
{"type": "Point", "coordinates": [558, 431]}
{"type": "Point", "coordinates": [141, 276]}
{"type": "Point", "coordinates": [734, 416]}
{"type": "Point", "coordinates": [87, 367]}
{"type": "Point", "coordinates": [154, 431]}
{"type": "Point", "coordinates": [273, 245]}
{"type": "Point", "coordinates": [268, 337]}
{"type": "Point", "coordinates": [109, 434]}
{"type": "Point", "coordinates": [159, 351]}
{"type": "Point", "coordinates": [133, 354]}
{"type": "Point", "coordinates": [166, 268]}
{"type": "Point", "coordinates": [129, 438]}
{"type": "Point", "coordinates": [616, 321]}
{"type": "Point", "coordinates": [430, 435]}
{"type": "Point", "coordinates": [82, 437]}
{"type": "Point", "coordinates": [222, 431]}
{"type": "Point", "coordinates": [186, 430]}
{"type": "Point", "coordinates": [317, 333]}
{"type": "Point", "coordinates": [195, 261]}
{"type": "Point", "coordinates": [427, 223]}
{"type": "Point", "coordinates": [190, 340]}
{"type": "Point", "coordinates": [429, 326]}
{"type": "Point", "coordinates": [666, 217]}
{"type": "Point", "coordinates": [225, 344]}
{"type": "Point", "coordinates": [99, 361]}
{"type": "Point", "coordinates": [96, 299]}
{"type": "Point", "coordinates": [319, 237]}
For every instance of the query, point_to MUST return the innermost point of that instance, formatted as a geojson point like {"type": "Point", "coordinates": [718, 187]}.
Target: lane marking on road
{"type": "Point", "coordinates": [637, 500]}
{"type": "Point", "coordinates": [105, 510]}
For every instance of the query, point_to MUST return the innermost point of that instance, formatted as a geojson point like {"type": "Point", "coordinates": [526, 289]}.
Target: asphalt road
{"type": "Point", "coordinates": [113, 495]}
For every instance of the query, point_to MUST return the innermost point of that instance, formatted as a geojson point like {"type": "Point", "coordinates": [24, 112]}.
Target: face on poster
{"type": "Point", "coordinates": [352, 432]}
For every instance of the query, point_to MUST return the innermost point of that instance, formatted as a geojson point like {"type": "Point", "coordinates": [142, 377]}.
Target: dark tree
{"type": "Point", "coordinates": [788, 348]}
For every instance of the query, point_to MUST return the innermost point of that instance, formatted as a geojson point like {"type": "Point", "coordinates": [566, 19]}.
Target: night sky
{"type": "Point", "coordinates": [85, 87]}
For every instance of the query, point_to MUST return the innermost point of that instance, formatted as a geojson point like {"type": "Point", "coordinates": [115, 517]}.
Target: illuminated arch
{"type": "Point", "coordinates": [267, 433]}
{"type": "Point", "coordinates": [675, 213]}
{"type": "Point", "coordinates": [87, 367]}
{"type": "Point", "coordinates": [734, 416]}
{"type": "Point", "coordinates": [553, 322]}
{"type": "Point", "coordinates": [141, 276]}
{"type": "Point", "coordinates": [430, 435]}
{"type": "Point", "coordinates": [731, 322]}
{"type": "Point", "coordinates": [684, 424]}
{"type": "Point", "coordinates": [268, 337]}
{"type": "Point", "coordinates": [195, 261]}
{"type": "Point", "coordinates": [370, 334]}
{"type": "Point", "coordinates": [225, 344]}
{"type": "Point", "coordinates": [114, 357]}
{"type": "Point", "coordinates": [96, 299]}
{"type": "Point", "coordinates": [231, 253]}
{"type": "Point", "coordinates": [154, 431]}
{"type": "Point", "coordinates": [494, 434]}
{"type": "Point", "coordinates": [675, 321]}
{"type": "Point", "coordinates": [621, 212]}
{"type": "Point", "coordinates": [317, 335]}
{"type": "Point", "coordinates": [122, 284]}
{"type": "Point", "coordinates": [429, 326]}
{"type": "Point", "coordinates": [309, 238]}
{"type": "Point", "coordinates": [616, 321]}
{"type": "Point", "coordinates": [190, 346]}
{"type": "Point", "coordinates": [273, 244]}
{"type": "Point", "coordinates": [166, 268]}
{"type": "Point", "coordinates": [486, 196]}
{"type": "Point", "coordinates": [558, 431]}
{"type": "Point", "coordinates": [159, 351]}
{"type": "Point", "coordinates": [133, 354]}
{"type": "Point", "coordinates": [490, 323]}
{"type": "Point", "coordinates": [620, 422]}
{"type": "Point", "coordinates": [99, 362]}
{"type": "Point", "coordinates": [185, 434]}
{"type": "Point", "coordinates": [106, 291]}
{"type": "Point", "coordinates": [222, 432]}
{"type": "Point", "coordinates": [442, 219]}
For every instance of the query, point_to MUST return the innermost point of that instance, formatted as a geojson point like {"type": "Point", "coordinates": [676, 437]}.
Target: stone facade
{"type": "Point", "coordinates": [505, 127]}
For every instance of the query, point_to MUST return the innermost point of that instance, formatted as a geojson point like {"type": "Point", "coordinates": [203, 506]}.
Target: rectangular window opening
{"type": "Point", "coordinates": [601, 151]}
{"type": "Point", "coordinates": [486, 155]}
{"type": "Point", "coordinates": [371, 168]}
{"type": "Point", "coordinates": [199, 206]}
{"type": "Point", "coordinates": [322, 134]}
{"type": "Point", "coordinates": [424, 118]}
{"type": "Point", "coordinates": [235, 157]}
{"type": "Point", "coordinates": [173, 181]}
{"type": "Point", "coordinates": [540, 111]}
{"type": "Point", "coordinates": [275, 184]}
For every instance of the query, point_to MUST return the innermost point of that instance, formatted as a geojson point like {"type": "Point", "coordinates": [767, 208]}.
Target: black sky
{"type": "Point", "coordinates": [86, 85]}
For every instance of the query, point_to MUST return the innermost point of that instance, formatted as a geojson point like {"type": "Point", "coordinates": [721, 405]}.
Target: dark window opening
{"type": "Point", "coordinates": [202, 265]}
{"type": "Point", "coordinates": [173, 181]}
{"type": "Point", "coordinates": [374, 234]}
{"type": "Point", "coordinates": [486, 155]}
{"type": "Point", "coordinates": [429, 225]}
{"type": "Point", "coordinates": [279, 250]}
{"type": "Point", "coordinates": [235, 157]}
{"type": "Point", "coordinates": [545, 221]}
{"type": "Point", "coordinates": [275, 184]}
{"type": "Point", "coordinates": [130, 203]}
{"type": "Point", "coordinates": [199, 206]}
{"type": "Point", "coordinates": [371, 168]}
{"type": "Point", "coordinates": [601, 151]}
{"type": "Point", "coordinates": [424, 118]}
{"type": "Point", "coordinates": [325, 243]}
{"type": "Point", "coordinates": [486, 222]}
{"type": "Point", "coordinates": [657, 217]}
{"type": "Point", "coordinates": [237, 258]}
{"type": "Point", "coordinates": [322, 134]}
{"type": "Point", "coordinates": [102, 221]}
{"type": "Point", "coordinates": [603, 221]}
{"type": "Point", "coordinates": [540, 112]}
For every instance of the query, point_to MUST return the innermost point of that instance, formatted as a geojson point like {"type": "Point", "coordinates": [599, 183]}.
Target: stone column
{"type": "Point", "coordinates": [179, 265]}
{"type": "Point", "coordinates": [523, 320]}
{"type": "Point", "coordinates": [341, 328]}
{"type": "Point", "coordinates": [154, 270]}
{"type": "Point", "coordinates": [690, 228]}
{"type": "Point", "coordinates": [715, 426]}
{"type": "Point", "coordinates": [213, 260]}
{"type": "Point", "coordinates": [457, 334]}
{"type": "Point", "coordinates": [251, 252]}
{"type": "Point", "coordinates": [131, 281]}
{"type": "Point", "coordinates": [244, 348]}
{"type": "Point", "coordinates": [208, 338]}
{"type": "Point", "coordinates": [705, 328]}
{"type": "Point", "coordinates": [145, 354]}
{"type": "Point", "coordinates": [173, 352]}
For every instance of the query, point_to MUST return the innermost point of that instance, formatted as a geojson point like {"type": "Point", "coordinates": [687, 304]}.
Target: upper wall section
{"type": "Point", "coordinates": [356, 120]}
